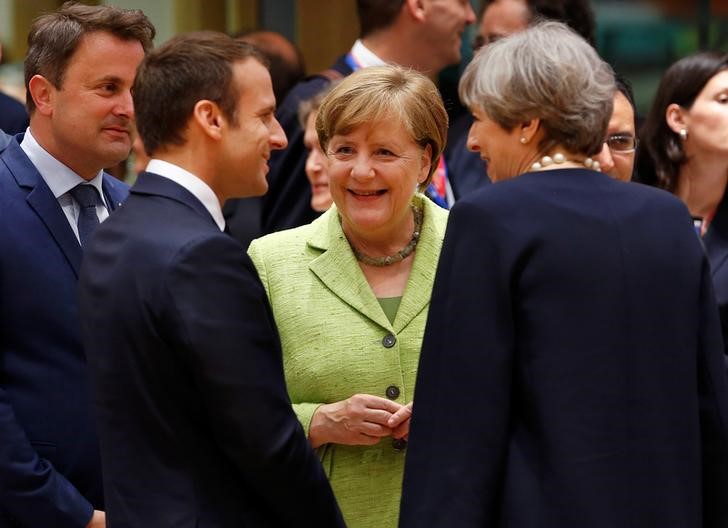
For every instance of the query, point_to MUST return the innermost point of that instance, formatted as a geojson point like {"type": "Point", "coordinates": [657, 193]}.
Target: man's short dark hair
{"type": "Point", "coordinates": [375, 15]}
{"type": "Point", "coordinates": [174, 77]}
{"type": "Point", "coordinates": [54, 37]}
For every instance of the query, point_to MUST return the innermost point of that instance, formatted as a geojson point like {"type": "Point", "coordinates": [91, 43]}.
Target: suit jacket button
{"type": "Point", "coordinates": [389, 340]}
{"type": "Point", "coordinates": [399, 444]}
{"type": "Point", "coordinates": [392, 392]}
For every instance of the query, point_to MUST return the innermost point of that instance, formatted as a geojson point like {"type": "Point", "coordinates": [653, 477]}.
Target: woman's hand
{"type": "Point", "coordinates": [359, 420]}
{"type": "Point", "coordinates": [399, 422]}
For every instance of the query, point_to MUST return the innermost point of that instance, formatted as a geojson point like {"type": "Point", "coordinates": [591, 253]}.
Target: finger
{"type": "Point", "coordinates": [376, 402]}
{"type": "Point", "coordinates": [377, 416]}
{"type": "Point", "coordinates": [371, 429]}
{"type": "Point", "coordinates": [404, 413]}
{"type": "Point", "coordinates": [402, 432]}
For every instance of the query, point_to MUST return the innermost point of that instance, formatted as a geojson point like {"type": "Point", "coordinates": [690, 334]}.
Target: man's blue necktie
{"type": "Point", "coordinates": [88, 198]}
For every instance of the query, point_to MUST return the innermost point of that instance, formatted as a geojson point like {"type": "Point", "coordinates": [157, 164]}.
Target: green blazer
{"type": "Point", "coordinates": [338, 342]}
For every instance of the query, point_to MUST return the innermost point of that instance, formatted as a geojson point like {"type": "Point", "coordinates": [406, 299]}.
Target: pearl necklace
{"type": "Point", "coordinates": [559, 158]}
{"type": "Point", "coordinates": [400, 255]}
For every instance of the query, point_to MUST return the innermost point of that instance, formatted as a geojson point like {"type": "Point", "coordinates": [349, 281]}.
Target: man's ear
{"type": "Point", "coordinates": [43, 93]}
{"type": "Point", "coordinates": [207, 115]}
{"type": "Point", "coordinates": [416, 9]}
{"type": "Point", "coordinates": [677, 117]}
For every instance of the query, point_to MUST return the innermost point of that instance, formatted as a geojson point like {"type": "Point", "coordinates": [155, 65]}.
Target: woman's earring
{"type": "Point", "coordinates": [523, 140]}
{"type": "Point", "coordinates": [683, 133]}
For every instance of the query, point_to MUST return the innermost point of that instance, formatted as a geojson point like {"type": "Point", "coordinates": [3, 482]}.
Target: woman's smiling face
{"type": "Point", "coordinates": [374, 171]}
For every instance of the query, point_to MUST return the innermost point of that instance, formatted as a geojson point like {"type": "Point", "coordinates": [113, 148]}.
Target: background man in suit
{"type": "Point", "coordinates": [13, 116]}
{"type": "Point", "coordinates": [421, 34]}
{"type": "Point", "coordinates": [195, 424]}
{"type": "Point", "coordinates": [79, 69]}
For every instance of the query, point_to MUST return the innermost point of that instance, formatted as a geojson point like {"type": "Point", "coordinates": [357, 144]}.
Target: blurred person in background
{"type": "Point", "coordinates": [685, 142]}
{"type": "Point", "coordinates": [13, 115]}
{"type": "Point", "coordinates": [316, 161]}
{"type": "Point", "coordinates": [618, 152]}
{"type": "Point", "coordinates": [572, 369]}
{"type": "Point", "coordinates": [350, 291]}
{"type": "Point", "coordinates": [500, 18]}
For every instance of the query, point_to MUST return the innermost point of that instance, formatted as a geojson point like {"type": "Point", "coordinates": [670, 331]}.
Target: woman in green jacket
{"type": "Point", "coordinates": [350, 291]}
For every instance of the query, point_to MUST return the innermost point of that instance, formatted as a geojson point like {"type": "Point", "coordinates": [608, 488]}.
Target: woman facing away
{"type": "Point", "coordinates": [350, 291]}
{"type": "Point", "coordinates": [572, 371]}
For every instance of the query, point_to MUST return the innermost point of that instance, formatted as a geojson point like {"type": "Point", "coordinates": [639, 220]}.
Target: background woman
{"type": "Point", "coordinates": [350, 291]}
{"type": "Point", "coordinates": [685, 139]}
{"type": "Point", "coordinates": [571, 374]}
{"type": "Point", "coordinates": [316, 162]}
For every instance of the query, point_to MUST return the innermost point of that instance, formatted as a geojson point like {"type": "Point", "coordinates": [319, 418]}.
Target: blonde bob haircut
{"type": "Point", "coordinates": [386, 93]}
{"type": "Point", "coordinates": [546, 72]}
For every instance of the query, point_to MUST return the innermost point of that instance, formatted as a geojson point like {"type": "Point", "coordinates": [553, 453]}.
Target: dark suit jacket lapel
{"type": "Point", "coordinates": [154, 184]}
{"type": "Point", "coordinates": [716, 239]}
{"type": "Point", "coordinates": [41, 200]}
{"type": "Point", "coordinates": [114, 192]}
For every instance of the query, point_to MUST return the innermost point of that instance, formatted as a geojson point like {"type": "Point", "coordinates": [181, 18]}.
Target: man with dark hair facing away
{"type": "Point", "coordinates": [195, 424]}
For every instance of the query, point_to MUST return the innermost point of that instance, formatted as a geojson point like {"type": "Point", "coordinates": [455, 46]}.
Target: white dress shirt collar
{"type": "Point", "coordinates": [193, 184]}
{"type": "Point", "coordinates": [59, 178]}
{"type": "Point", "coordinates": [363, 56]}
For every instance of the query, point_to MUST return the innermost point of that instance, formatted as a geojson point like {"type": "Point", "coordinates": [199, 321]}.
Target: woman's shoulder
{"type": "Point", "coordinates": [289, 241]}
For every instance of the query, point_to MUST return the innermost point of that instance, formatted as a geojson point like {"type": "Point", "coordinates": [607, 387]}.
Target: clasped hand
{"type": "Point", "coordinates": [362, 419]}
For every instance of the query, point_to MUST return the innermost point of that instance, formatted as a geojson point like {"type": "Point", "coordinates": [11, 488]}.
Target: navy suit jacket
{"type": "Point", "coordinates": [195, 423]}
{"type": "Point", "coordinates": [572, 371]}
{"type": "Point", "coordinates": [50, 469]}
{"type": "Point", "coordinates": [4, 140]}
{"type": "Point", "coordinates": [13, 115]}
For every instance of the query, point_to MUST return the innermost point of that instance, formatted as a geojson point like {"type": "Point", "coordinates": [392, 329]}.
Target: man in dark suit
{"type": "Point", "coordinates": [195, 424]}
{"type": "Point", "coordinates": [425, 36]}
{"type": "Point", "coordinates": [79, 69]}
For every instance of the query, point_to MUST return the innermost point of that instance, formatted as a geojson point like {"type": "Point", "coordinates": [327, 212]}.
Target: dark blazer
{"type": "Point", "coordinates": [572, 368]}
{"type": "Point", "coordinates": [4, 140]}
{"type": "Point", "coordinates": [13, 115]}
{"type": "Point", "coordinates": [466, 171]}
{"type": "Point", "coordinates": [196, 427]}
{"type": "Point", "coordinates": [50, 469]}
{"type": "Point", "coordinates": [716, 246]}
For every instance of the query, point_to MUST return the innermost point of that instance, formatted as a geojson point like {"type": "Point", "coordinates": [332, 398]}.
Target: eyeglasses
{"type": "Point", "coordinates": [622, 143]}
